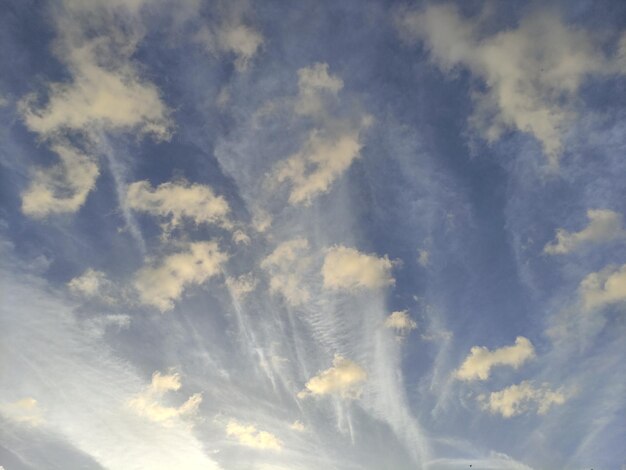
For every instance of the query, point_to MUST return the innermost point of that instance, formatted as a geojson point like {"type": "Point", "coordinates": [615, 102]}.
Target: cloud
{"type": "Point", "coordinates": [178, 201]}
{"type": "Point", "coordinates": [250, 436]}
{"type": "Point", "coordinates": [603, 288]}
{"type": "Point", "coordinates": [423, 258]}
{"type": "Point", "coordinates": [522, 398]}
{"type": "Point", "coordinates": [349, 269]}
{"type": "Point", "coordinates": [149, 402]}
{"type": "Point", "coordinates": [604, 226]}
{"type": "Point", "coordinates": [161, 284]}
{"type": "Point", "coordinates": [242, 285]}
{"type": "Point", "coordinates": [241, 238]}
{"type": "Point", "coordinates": [93, 284]}
{"type": "Point", "coordinates": [343, 378]}
{"type": "Point", "coordinates": [25, 411]}
{"type": "Point", "coordinates": [285, 266]}
{"type": "Point", "coordinates": [63, 187]}
{"type": "Point", "coordinates": [530, 73]}
{"type": "Point", "coordinates": [105, 93]}
{"type": "Point", "coordinates": [298, 426]}
{"type": "Point", "coordinates": [477, 365]}
{"type": "Point", "coordinates": [322, 159]}
{"type": "Point", "coordinates": [400, 321]}
{"type": "Point", "coordinates": [315, 84]}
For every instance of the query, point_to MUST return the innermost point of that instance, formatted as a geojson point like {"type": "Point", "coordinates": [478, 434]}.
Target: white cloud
{"type": "Point", "coordinates": [322, 159]}
{"type": "Point", "coordinates": [250, 436]}
{"type": "Point", "coordinates": [400, 321]}
{"type": "Point", "coordinates": [105, 93]}
{"type": "Point", "coordinates": [177, 201]}
{"type": "Point", "coordinates": [160, 285]}
{"type": "Point", "coordinates": [522, 398]}
{"type": "Point", "coordinates": [242, 285]}
{"type": "Point", "coordinates": [477, 365]}
{"type": "Point", "coordinates": [149, 403]}
{"type": "Point", "coordinates": [315, 84]}
{"type": "Point", "coordinates": [531, 72]}
{"type": "Point", "coordinates": [298, 426]}
{"type": "Point", "coordinates": [344, 378]}
{"type": "Point", "coordinates": [423, 258]}
{"type": "Point", "coordinates": [241, 238]}
{"type": "Point", "coordinates": [603, 288]}
{"type": "Point", "coordinates": [285, 266]}
{"type": "Point", "coordinates": [604, 225]}
{"type": "Point", "coordinates": [93, 284]}
{"type": "Point", "coordinates": [348, 268]}
{"type": "Point", "coordinates": [62, 187]}
{"type": "Point", "coordinates": [233, 37]}
{"type": "Point", "coordinates": [24, 411]}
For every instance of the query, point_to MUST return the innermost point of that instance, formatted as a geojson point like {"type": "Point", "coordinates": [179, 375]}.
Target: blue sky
{"type": "Point", "coordinates": [352, 235]}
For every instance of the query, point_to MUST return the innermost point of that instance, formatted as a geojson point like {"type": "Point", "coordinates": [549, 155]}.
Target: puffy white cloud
{"type": "Point", "coordinates": [177, 201]}
{"type": "Point", "coordinates": [314, 85]}
{"type": "Point", "coordinates": [250, 436]}
{"type": "Point", "coordinates": [322, 159]}
{"type": "Point", "coordinates": [400, 321]}
{"type": "Point", "coordinates": [423, 258]}
{"type": "Point", "coordinates": [24, 411]}
{"type": "Point", "coordinates": [105, 93]}
{"type": "Point", "coordinates": [522, 398]}
{"type": "Point", "coordinates": [62, 187]}
{"type": "Point", "coordinates": [477, 365]}
{"type": "Point", "coordinates": [285, 266]}
{"type": "Point", "coordinates": [531, 72]}
{"type": "Point", "coordinates": [348, 268]}
{"type": "Point", "coordinates": [232, 37]}
{"type": "Point", "coordinates": [149, 402]}
{"type": "Point", "coordinates": [602, 288]}
{"type": "Point", "coordinates": [242, 285]}
{"type": "Point", "coordinates": [161, 284]}
{"type": "Point", "coordinates": [241, 238]}
{"type": "Point", "coordinates": [604, 225]}
{"type": "Point", "coordinates": [344, 378]}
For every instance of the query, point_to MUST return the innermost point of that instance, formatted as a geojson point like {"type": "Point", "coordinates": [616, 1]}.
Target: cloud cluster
{"type": "Point", "coordinates": [105, 93]}
{"type": "Point", "coordinates": [349, 269]}
{"type": "Point", "coordinates": [149, 403]}
{"type": "Point", "coordinates": [160, 285]}
{"type": "Point", "coordinates": [478, 364]}
{"type": "Point", "coordinates": [531, 73]}
{"type": "Point", "coordinates": [604, 226]}
{"type": "Point", "coordinates": [330, 147]}
{"type": "Point", "coordinates": [344, 378]}
{"type": "Point", "coordinates": [603, 288]}
{"type": "Point", "coordinates": [242, 285]}
{"type": "Point", "coordinates": [178, 201]}
{"type": "Point", "coordinates": [285, 266]}
{"type": "Point", "coordinates": [521, 398]}
{"type": "Point", "coordinates": [250, 436]}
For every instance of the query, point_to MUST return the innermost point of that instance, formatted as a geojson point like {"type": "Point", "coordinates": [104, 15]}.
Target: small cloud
{"type": "Point", "coordinates": [178, 201]}
{"type": "Point", "coordinates": [344, 378]}
{"type": "Point", "coordinates": [285, 266]}
{"type": "Point", "coordinates": [242, 285]}
{"type": "Point", "coordinates": [250, 436]}
{"type": "Point", "coordinates": [423, 258]}
{"type": "Point", "coordinates": [298, 426]}
{"type": "Point", "coordinates": [261, 221]}
{"type": "Point", "coordinates": [315, 84]}
{"type": "Point", "coordinates": [478, 364]}
{"type": "Point", "coordinates": [24, 411]}
{"type": "Point", "coordinates": [604, 226]}
{"type": "Point", "coordinates": [93, 284]}
{"type": "Point", "coordinates": [522, 398]}
{"type": "Point", "coordinates": [349, 269]}
{"type": "Point", "coordinates": [603, 288]}
{"type": "Point", "coordinates": [149, 402]}
{"type": "Point", "coordinates": [400, 321]}
{"type": "Point", "coordinates": [241, 238]}
{"type": "Point", "coordinates": [61, 188]}
{"type": "Point", "coordinates": [161, 284]}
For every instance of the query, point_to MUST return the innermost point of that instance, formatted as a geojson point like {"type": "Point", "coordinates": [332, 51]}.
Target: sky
{"type": "Point", "coordinates": [298, 235]}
